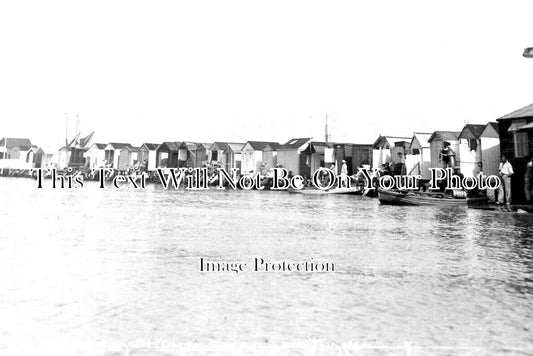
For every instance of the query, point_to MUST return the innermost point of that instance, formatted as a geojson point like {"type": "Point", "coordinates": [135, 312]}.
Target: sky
{"type": "Point", "coordinates": [209, 71]}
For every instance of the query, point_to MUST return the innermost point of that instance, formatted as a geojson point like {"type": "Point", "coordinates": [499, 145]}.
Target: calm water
{"type": "Point", "coordinates": [106, 270]}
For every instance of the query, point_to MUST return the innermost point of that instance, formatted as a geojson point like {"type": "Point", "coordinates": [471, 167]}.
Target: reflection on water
{"type": "Point", "coordinates": [101, 268]}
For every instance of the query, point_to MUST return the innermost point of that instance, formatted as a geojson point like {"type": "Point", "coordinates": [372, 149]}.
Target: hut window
{"type": "Point", "coordinates": [416, 151]}
{"type": "Point", "coordinates": [472, 144]}
{"type": "Point", "coordinates": [214, 155]}
{"type": "Point", "coordinates": [521, 146]}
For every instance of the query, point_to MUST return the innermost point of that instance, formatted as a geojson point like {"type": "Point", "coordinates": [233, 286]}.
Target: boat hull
{"type": "Point", "coordinates": [390, 197]}
{"type": "Point", "coordinates": [351, 191]}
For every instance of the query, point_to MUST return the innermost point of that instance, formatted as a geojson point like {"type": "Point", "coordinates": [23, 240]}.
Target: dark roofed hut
{"type": "Point", "coordinates": [516, 143]}
{"type": "Point", "coordinates": [167, 154]}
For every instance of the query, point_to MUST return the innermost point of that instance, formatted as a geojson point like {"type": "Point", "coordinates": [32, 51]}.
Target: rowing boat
{"type": "Point", "coordinates": [351, 190]}
{"type": "Point", "coordinates": [397, 197]}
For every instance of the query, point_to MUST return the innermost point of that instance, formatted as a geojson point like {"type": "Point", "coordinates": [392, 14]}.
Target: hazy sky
{"type": "Point", "coordinates": [246, 70]}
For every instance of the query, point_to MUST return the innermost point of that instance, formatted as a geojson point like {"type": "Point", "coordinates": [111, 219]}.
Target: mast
{"type": "Point", "coordinates": [326, 129]}
{"type": "Point", "coordinates": [77, 129]}
{"type": "Point", "coordinates": [66, 128]}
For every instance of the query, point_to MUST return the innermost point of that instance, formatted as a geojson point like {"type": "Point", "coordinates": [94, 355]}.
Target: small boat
{"type": "Point", "coordinates": [398, 197]}
{"type": "Point", "coordinates": [312, 191]}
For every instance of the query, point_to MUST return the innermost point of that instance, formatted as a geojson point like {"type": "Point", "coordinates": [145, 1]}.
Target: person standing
{"type": "Point", "coordinates": [446, 155]}
{"type": "Point", "coordinates": [344, 173]}
{"type": "Point", "coordinates": [504, 192]}
{"type": "Point", "coordinates": [528, 180]}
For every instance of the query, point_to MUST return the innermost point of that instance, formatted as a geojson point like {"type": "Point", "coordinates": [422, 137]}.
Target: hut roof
{"type": "Point", "coordinates": [235, 147]}
{"type": "Point", "coordinates": [422, 138]}
{"type": "Point", "coordinates": [318, 147]}
{"type": "Point", "coordinates": [171, 146]}
{"type": "Point", "coordinates": [150, 146]}
{"type": "Point", "coordinates": [472, 131]}
{"type": "Point", "coordinates": [390, 140]}
{"type": "Point", "coordinates": [100, 146]}
{"type": "Point", "coordinates": [444, 136]}
{"type": "Point", "coordinates": [294, 143]}
{"type": "Point", "coordinates": [262, 145]}
{"type": "Point", "coordinates": [219, 145]}
{"type": "Point", "coordinates": [10, 142]}
{"type": "Point", "coordinates": [526, 111]}
{"type": "Point", "coordinates": [119, 145]}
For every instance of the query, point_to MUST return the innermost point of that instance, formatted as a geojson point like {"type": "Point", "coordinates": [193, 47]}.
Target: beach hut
{"type": "Point", "coordinates": [35, 156]}
{"type": "Point", "coordinates": [318, 154]}
{"type": "Point", "coordinates": [215, 151]}
{"type": "Point", "coordinates": [232, 156]}
{"type": "Point", "coordinates": [112, 153]}
{"type": "Point", "coordinates": [259, 156]}
{"type": "Point", "coordinates": [63, 157]}
{"type": "Point", "coordinates": [470, 148]}
{"type": "Point", "coordinates": [167, 154]}
{"type": "Point", "coordinates": [147, 155]}
{"type": "Point", "coordinates": [14, 148]}
{"type": "Point", "coordinates": [386, 149]}
{"type": "Point", "coordinates": [490, 149]}
{"type": "Point", "coordinates": [96, 155]}
{"type": "Point", "coordinates": [361, 156]}
{"type": "Point", "coordinates": [127, 157]}
{"type": "Point", "coordinates": [436, 140]}
{"type": "Point", "coordinates": [291, 158]}
{"type": "Point", "coordinates": [418, 158]}
{"type": "Point", "coordinates": [516, 143]}
{"type": "Point", "coordinates": [193, 154]}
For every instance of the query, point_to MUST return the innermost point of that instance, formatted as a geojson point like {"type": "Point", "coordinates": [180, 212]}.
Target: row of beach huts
{"type": "Point", "coordinates": [511, 135]}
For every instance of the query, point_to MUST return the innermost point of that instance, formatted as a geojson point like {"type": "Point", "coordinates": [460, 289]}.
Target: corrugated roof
{"type": "Point", "coordinates": [235, 147]}
{"type": "Point", "coordinates": [471, 131]}
{"type": "Point", "coordinates": [150, 146]}
{"type": "Point", "coordinates": [261, 145]}
{"type": "Point", "coordinates": [119, 145]}
{"type": "Point", "coordinates": [10, 142]}
{"type": "Point", "coordinates": [221, 146]}
{"type": "Point", "coordinates": [294, 143]}
{"type": "Point", "coordinates": [171, 146]}
{"type": "Point", "coordinates": [444, 136]}
{"type": "Point", "coordinates": [526, 111]}
{"type": "Point", "coordinates": [391, 140]}
{"type": "Point", "coordinates": [100, 146]}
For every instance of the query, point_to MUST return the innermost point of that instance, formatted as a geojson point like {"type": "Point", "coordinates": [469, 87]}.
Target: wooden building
{"type": "Point", "coordinates": [290, 156]}
{"type": "Point", "coordinates": [516, 143]}
{"type": "Point", "coordinates": [192, 154]}
{"type": "Point", "coordinates": [96, 155]}
{"type": "Point", "coordinates": [259, 156]}
{"type": "Point", "coordinates": [470, 148]}
{"type": "Point", "coordinates": [386, 149]}
{"type": "Point", "coordinates": [436, 140]}
{"type": "Point", "coordinates": [167, 154]}
{"type": "Point", "coordinates": [147, 156]}
{"type": "Point", "coordinates": [490, 149]}
{"type": "Point", "coordinates": [14, 148]}
{"type": "Point", "coordinates": [418, 158]}
{"type": "Point", "coordinates": [127, 157]}
{"type": "Point", "coordinates": [361, 157]}
{"type": "Point", "coordinates": [318, 154]}
{"type": "Point", "coordinates": [232, 156]}
{"type": "Point", "coordinates": [35, 156]}
{"type": "Point", "coordinates": [112, 153]}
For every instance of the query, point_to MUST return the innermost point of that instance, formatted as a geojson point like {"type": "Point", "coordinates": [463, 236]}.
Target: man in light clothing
{"type": "Point", "coordinates": [506, 171]}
